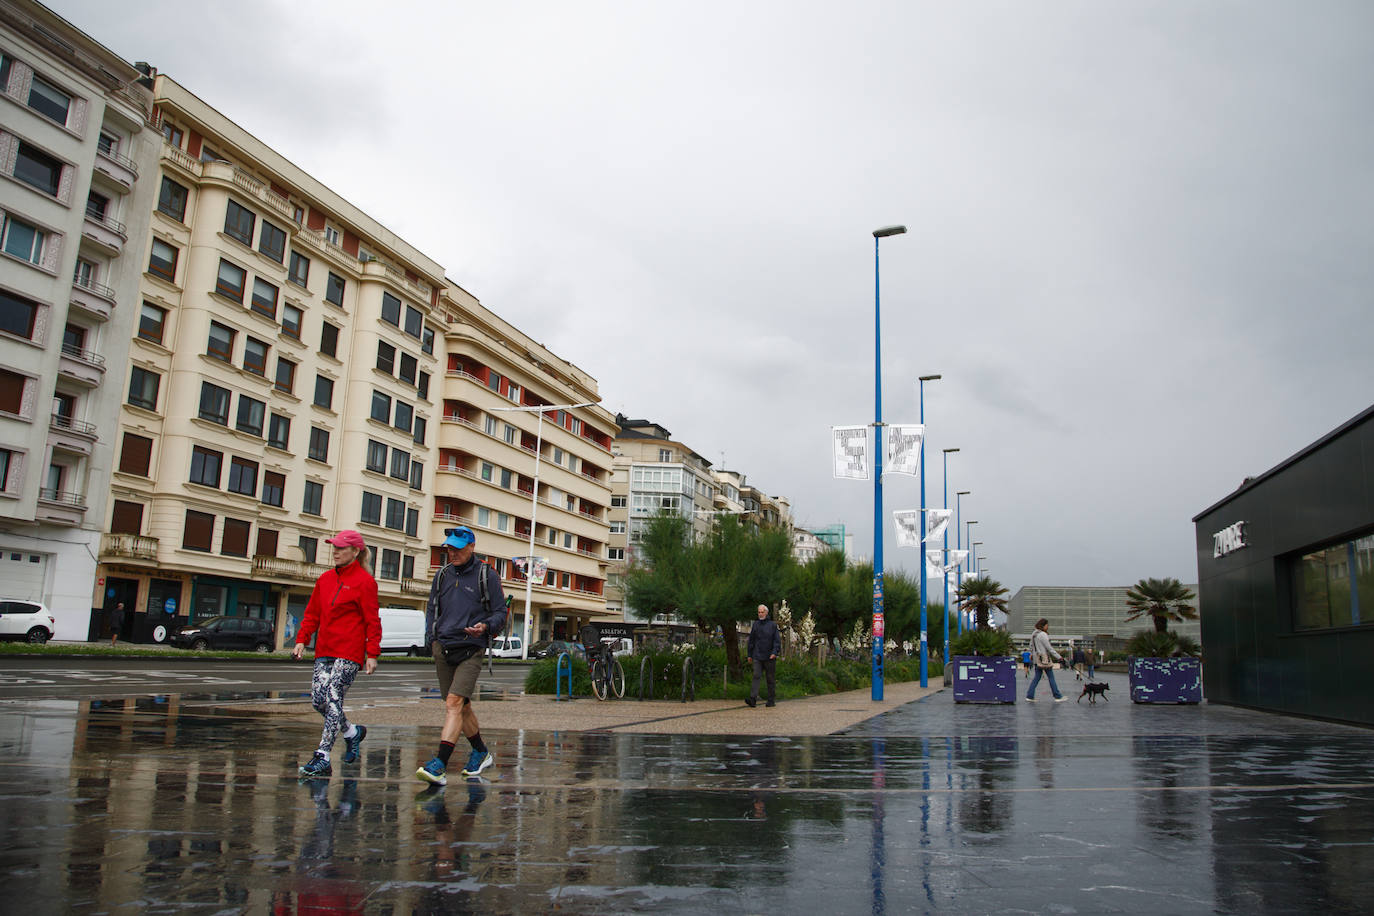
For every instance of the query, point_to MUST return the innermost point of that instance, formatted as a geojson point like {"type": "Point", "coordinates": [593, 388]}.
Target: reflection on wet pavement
{"type": "Point", "coordinates": [156, 804]}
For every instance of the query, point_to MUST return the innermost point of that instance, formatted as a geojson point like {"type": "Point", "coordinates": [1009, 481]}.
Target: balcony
{"type": "Point", "coordinates": [81, 365]}
{"type": "Point", "coordinates": [263, 193]}
{"type": "Point", "coordinates": [72, 435]}
{"type": "Point", "coordinates": [279, 568]}
{"type": "Point", "coordinates": [131, 546]}
{"type": "Point", "coordinates": [181, 160]}
{"type": "Point", "coordinates": [63, 507]}
{"type": "Point", "coordinates": [415, 587]}
{"type": "Point", "coordinates": [105, 233]}
{"type": "Point", "coordinates": [93, 298]}
{"type": "Point", "coordinates": [119, 169]}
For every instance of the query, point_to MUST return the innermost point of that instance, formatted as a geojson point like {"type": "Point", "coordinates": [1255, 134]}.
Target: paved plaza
{"type": "Point", "coordinates": [190, 803]}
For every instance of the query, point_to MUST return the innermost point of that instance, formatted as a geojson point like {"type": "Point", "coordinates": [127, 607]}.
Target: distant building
{"type": "Point", "coordinates": [1084, 611]}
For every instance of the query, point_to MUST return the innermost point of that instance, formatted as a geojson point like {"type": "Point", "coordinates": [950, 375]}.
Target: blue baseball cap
{"type": "Point", "coordinates": [459, 537]}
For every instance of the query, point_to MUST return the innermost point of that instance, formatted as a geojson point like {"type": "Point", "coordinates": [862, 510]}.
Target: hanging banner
{"type": "Point", "coordinates": [957, 558]}
{"type": "Point", "coordinates": [903, 450]}
{"type": "Point", "coordinates": [536, 571]}
{"type": "Point", "coordinates": [936, 522]}
{"type": "Point", "coordinates": [851, 451]}
{"type": "Point", "coordinates": [908, 523]}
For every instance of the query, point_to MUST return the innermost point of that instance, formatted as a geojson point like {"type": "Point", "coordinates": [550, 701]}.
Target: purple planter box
{"type": "Point", "coordinates": [984, 679]}
{"type": "Point", "coordinates": [1165, 680]}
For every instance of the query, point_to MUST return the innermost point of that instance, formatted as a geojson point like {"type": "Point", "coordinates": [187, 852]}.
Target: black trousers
{"type": "Point", "coordinates": [764, 666]}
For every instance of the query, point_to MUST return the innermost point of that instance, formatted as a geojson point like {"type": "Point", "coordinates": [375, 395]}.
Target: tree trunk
{"type": "Point", "coordinates": [1161, 623]}
{"type": "Point", "coordinates": [732, 661]}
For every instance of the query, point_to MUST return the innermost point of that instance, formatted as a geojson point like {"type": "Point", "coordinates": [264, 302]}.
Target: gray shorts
{"type": "Point", "coordinates": [460, 680]}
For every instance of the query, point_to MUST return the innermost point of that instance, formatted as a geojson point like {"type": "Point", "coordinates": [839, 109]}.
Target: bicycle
{"type": "Point", "coordinates": [608, 676]}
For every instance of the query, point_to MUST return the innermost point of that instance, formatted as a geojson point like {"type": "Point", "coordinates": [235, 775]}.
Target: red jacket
{"type": "Point", "coordinates": [343, 608]}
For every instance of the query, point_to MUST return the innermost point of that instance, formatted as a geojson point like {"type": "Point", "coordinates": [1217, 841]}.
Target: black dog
{"type": "Point", "coordinates": [1093, 691]}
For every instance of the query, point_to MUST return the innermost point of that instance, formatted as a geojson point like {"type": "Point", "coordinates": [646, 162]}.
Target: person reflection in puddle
{"type": "Point", "coordinates": [452, 854]}
{"type": "Point", "coordinates": [324, 885]}
{"type": "Point", "coordinates": [756, 812]}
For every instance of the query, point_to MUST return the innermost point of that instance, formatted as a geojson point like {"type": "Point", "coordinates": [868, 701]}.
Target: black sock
{"type": "Point", "coordinates": [477, 743]}
{"type": "Point", "coordinates": [445, 751]}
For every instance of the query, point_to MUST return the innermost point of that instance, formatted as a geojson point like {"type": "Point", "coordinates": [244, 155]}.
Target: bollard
{"type": "Point", "coordinates": [649, 662]}
{"type": "Point", "coordinates": [558, 677]}
{"type": "Point", "coordinates": [689, 679]}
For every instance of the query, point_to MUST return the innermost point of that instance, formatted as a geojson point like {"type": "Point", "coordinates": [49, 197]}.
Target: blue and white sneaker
{"type": "Point", "coordinates": [317, 768]}
{"type": "Point", "coordinates": [433, 772]}
{"type": "Point", "coordinates": [352, 746]}
{"type": "Point", "coordinates": [477, 762]}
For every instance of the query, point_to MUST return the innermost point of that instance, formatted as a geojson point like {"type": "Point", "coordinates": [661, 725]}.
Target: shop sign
{"type": "Point", "coordinates": [1229, 540]}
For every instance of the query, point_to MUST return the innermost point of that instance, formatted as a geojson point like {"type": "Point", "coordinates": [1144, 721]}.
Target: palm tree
{"type": "Point", "coordinates": [982, 595]}
{"type": "Point", "coordinates": [1161, 599]}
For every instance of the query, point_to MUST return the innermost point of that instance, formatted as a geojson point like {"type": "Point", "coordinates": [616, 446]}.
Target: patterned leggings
{"type": "Point", "coordinates": [328, 684]}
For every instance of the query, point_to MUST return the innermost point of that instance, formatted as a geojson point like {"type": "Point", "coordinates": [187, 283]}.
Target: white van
{"type": "Point", "coordinates": [506, 646]}
{"type": "Point", "coordinates": [403, 630]}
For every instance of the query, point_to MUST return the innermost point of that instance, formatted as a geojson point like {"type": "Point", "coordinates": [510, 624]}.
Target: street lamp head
{"type": "Point", "coordinates": [948, 450]}
{"type": "Point", "coordinates": [927, 378]}
{"type": "Point", "coordinates": [888, 230]}
{"type": "Point", "coordinates": [970, 523]}
{"type": "Point", "coordinates": [962, 492]}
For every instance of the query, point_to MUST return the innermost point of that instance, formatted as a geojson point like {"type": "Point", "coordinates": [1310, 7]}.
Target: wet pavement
{"type": "Point", "coordinates": [159, 804]}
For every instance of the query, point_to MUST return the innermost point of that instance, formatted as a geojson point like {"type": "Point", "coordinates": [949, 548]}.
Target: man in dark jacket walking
{"type": "Point", "coordinates": [458, 625]}
{"type": "Point", "coordinates": [765, 645]}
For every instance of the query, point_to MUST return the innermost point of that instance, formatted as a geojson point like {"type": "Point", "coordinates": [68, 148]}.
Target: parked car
{"type": "Point", "coordinates": [507, 646]}
{"type": "Point", "coordinates": [403, 630]}
{"type": "Point", "coordinates": [552, 648]}
{"type": "Point", "coordinates": [27, 620]}
{"type": "Point", "coordinates": [241, 633]}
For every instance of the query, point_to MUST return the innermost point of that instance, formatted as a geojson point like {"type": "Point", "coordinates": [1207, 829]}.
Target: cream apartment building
{"type": "Point", "coordinates": [78, 159]}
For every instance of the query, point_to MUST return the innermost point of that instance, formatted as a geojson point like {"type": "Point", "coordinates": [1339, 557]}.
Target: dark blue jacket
{"type": "Point", "coordinates": [764, 639]}
{"type": "Point", "coordinates": [455, 604]}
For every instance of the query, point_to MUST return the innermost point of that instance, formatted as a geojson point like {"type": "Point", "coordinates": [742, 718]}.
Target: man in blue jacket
{"type": "Point", "coordinates": [465, 608]}
{"type": "Point", "coordinates": [765, 645]}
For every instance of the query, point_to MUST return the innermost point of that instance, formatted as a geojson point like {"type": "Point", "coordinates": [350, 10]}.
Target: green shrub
{"type": "Point", "coordinates": [982, 642]}
{"type": "Point", "coordinates": [1154, 644]}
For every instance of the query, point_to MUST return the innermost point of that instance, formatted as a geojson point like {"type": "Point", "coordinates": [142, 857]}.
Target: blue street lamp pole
{"type": "Point", "coordinates": [944, 557]}
{"type": "Point", "coordinates": [924, 647]}
{"type": "Point", "coordinates": [958, 545]}
{"type": "Point", "coordinates": [878, 629]}
{"type": "Point", "coordinates": [968, 539]}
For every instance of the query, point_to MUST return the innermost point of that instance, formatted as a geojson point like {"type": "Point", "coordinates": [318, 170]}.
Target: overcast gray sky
{"type": "Point", "coordinates": [1139, 249]}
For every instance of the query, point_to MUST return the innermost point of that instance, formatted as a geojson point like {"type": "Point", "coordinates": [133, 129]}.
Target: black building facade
{"type": "Point", "coordinates": [1286, 575]}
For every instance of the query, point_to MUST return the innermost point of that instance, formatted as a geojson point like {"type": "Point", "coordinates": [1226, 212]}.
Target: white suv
{"type": "Point", "coordinates": [28, 620]}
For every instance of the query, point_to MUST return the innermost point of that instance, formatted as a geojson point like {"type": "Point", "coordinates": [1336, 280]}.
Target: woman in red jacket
{"type": "Point", "coordinates": [343, 608]}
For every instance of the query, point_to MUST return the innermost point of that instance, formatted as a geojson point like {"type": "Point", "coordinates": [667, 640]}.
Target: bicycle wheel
{"type": "Point", "coordinates": [599, 679]}
{"type": "Point", "coordinates": [617, 678]}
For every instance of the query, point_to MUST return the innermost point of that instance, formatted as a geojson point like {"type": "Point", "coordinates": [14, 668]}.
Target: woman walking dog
{"type": "Point", "coordinates": [1043, 655]}
{"type": "Point", "coordinates": [343, 608]}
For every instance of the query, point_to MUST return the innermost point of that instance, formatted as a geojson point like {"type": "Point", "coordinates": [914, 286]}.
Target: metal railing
{"type": "Point", "coordinates": [91, 286]}
{"type": "Point", "coordinates": [113, 225]}
{"type": "Point", "coordinates": [62, 497]}
{"type": "Point", "coordinates": [80, 427]}
{"type": "Point", "coordinates": [89, 357]}
{"type": "Point", "coordinates": [123, 161]}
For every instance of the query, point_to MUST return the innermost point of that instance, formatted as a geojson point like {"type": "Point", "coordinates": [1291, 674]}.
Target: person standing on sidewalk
{"type": "Point", "coordinates": [465, 608]}
{"type": "Point", "coordinates": [116, 623]}
{"type": "Point", "coordinates": [1043, 655]}
{"type": "Point", "coordinates": [1079, 660]}
{"type": "Point", "coordinates": [765, 645]}
{"type": "Point", "coordinates": [343, 609]}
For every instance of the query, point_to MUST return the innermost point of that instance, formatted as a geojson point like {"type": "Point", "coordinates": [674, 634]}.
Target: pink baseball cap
{"type": "Point", "coordinates": [347, 538]}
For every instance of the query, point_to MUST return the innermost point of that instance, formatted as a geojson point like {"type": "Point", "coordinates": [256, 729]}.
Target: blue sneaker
{"type": "Point", "coordinates": [354, 744]}
{"type": "Point", "coordinates": [317, 768]}
{"type": "Point", "coordinates": [433, 772]}
{"type": "Point", "coordinates": [477, 762]}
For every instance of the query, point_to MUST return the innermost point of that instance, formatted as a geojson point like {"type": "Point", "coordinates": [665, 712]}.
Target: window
{"type": "Point", "coordinates": [376, 456]}
{"type": "Point", "coordinates": [1334, 586]}
{"type": "Point", "coordinates": [314, 498]}
{"type": "Point", "coordinates": [510, 432]}
{"type": "Point", "coordinates": [381, 406]}
{"type": "Point", "coordinates": [334, 290]}
{"type": "Point", "coordinates": [291, 321]}
{"type": "Point", "coordinates": [487, 471]}
{"type": "Point", "coordinates": [143, 386]}
{"type": "Point", "coordinates": [309, 547]}
{"type": "Point", "coordinates": [412, 526]}
{"type": "Point", "coordinates": [400, 464]}
{"type": "Point", "coordinates": [396, 514]}
{"type": "Point", "coordinates": [264, 300]}
{"type": "Point", "coordinates": [231, 280]}
{"type": "Point", "coordinates": [136, 455]}
{"type": "Point", "coordinates": [557, 455]}
{"type": "Point", "coordinates": [615, 553]}
{"type": "Point", "coordinates": [405, 414]}
{"type": "Point", "coordinates": [171, 200]}
{"type": "Point", "coordinates": [372, 508]}
{"type": "Point", "coordinates": [391, 564]}
{"type": "Point", "coordinates": [409, 366]}
{"type": "Point", "coordinates": [665, 454]}
{"type": "Point", "coordinates": [18, 316]}
{"type": "Point", "coordinates": [152, 321]}
{"type": "Point", "coordinates": [391, 309]}
{"type": "Point", "coordinates": [255, 356]}
{"type": "Point", "coordinates": [286, 375]}
{"type": "Point", "coordinates": [243, 476]}
{"type": "Point", "coordinates": [331, 235]}
{"type": "Point", "coordinates": [617, 502]}
{"type": "Point", "coordinates": [494, 381]}
{"type": "Point", "coordinates": [489, 425]}
{"type": "Point", "coordinates": [221, 342]}
{"type": "Point", "coordinates": [235, 540]}
{"type": "Point", "coordinates": [617, 527]}
{"type": "Point", "coordinates": [299, 271]}
{"type": "Point", "coordinates": [319, 444]}
{"type": "Point", "coordinates": [23, 241]}
{"type": "Point", "coordinates": [86, 272]}
{"type": "Point", "coordinates": [127, 518]}
{"type": "Point", "coordinates": [205, 465]}
{"type": "Point", "coordinates": [422, 385]}
{"type": "Point", "coordinates": [250, 416]}
{"type": "Point", "coordinates": [419, 437]}
{"type": "Point", "coordinates": [198, 532]}
{"type": "Point", "coordinates": [329, 339]}
{"type": "Point", "coordinates": [214, 403]}
{"type": "Point", "coordinates": [324, 392]}
{"type": "Point", "coordinates": [162, 261]}
{"type": "Point", "coordinates": [273, 488]}
{"type": "Point", "coordinates": [49, 101]}
{"type": "Point", "coordinates": [38, 170]}
{"type": "Point", "coordinates": [415, 322]}
{"type": "Point", "coordinates": [417, 475]}
{"type": "Point", "coordinates": [171, 134]}
{"type": "Point", "coordinates": [238, 223]}
{"type": "Point", "coordinates": [272, 241]}
{"type": "Point", "coordinates": [267, 543]}
{"type": "Point", "coordinates": [386, 357]}
{"type": "Point", "coordinates": [279, 431]}
{"type": "Point", "coordinates": [505, 478]}
{"type": "Point", "coordinates": [427, 341]}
